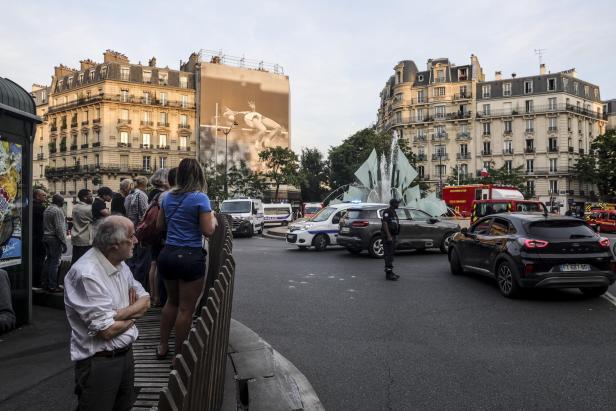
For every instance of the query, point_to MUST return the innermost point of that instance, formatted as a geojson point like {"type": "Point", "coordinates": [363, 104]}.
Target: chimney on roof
{"type": "Point", "coordinates": [62, 70]}
{"type": "Point", "coordinates": [513, 75]}
{"type": "Point", "coordinates": [152, 62]}
{"type": "Point", "coordinates": [542, 69]}
{"type": "Point", "coordinates": [86, 64]}
{"type": "Point", "coordinates": [111, 56]}
{"type": "Point", "coordinates": [498, 75]}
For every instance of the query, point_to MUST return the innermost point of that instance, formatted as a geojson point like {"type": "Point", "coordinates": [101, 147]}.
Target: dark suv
{"type": "Point", "coordinates": [360, 229]}
{"type": "Point", "coordinates": [533, 250]}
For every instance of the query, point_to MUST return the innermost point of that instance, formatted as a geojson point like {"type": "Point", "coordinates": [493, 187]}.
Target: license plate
{"type": "Point", "coordinates": [345, 230]}
{"type": "Point", "coordinates": [575, 267]}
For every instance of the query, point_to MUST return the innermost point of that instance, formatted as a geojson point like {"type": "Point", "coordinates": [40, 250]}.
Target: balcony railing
{"type": "Point", "coordinates": [41, 156]}
{"type": "Point", "coordinates": [184, 126]}
{"type": "Point", "coordinates": [552, 149]}
{"type": "Point", "coordinates": [183, 148]}
{"type": "Point", "coordinates": [423, 100]}
{"type": "Point", "coordinates": [162, 124]}
{"type": "Point", "coordinates": [552, 129]}
{"type": "Point", "coordinates": [507, 151]}
{"type": "Point", "coordinates": [124, 121]}
{"type": "Point", "coordinates": [463, 135]}
{"type": "Point", "coordinates": [124, 145]}
{"type": "Point", "coordinates": [84, 146]}
{"type": "Point", "coordinates": [96, 121]}
{"type": "Point", "coordinates": [85, 122]}
{"type": "Point", "coordinates": [73, 147]}
{"type": "Point", "coordinates": [146, 146]}
{"type": "Point", "coordinates": [442, 136]}
{"type": "Point", "coordinates": [147, 123]}
{"type": "Point", "coordinates": [463, 156]}
{"type": "Point", "coordinates": [529, 130]}
{"type": "Point", "coordinates": [441, 157]}
{"type": "Point", "coordinates": [581, 151]}
{"type": "Point", "coordinates": [68, 172]}
{"type": "Point", "coordinates": [54, 128]}
{"type": "Point", "coordinates": [119, 99]}
{"type": "Point", "coordinates": [529, 150]}
{"type": "Point", "coordinates": [97, 144]}
{"type": "Point", "coordinates": [486, 152]}
{"type": "Point", "coordinates": [418, 139]}
{"type": "Point", "coordinates": [486, 134]}
{"type": "Point", "coordinates": [563, 107]}
{"type": "Point", "coordinates": [571, 149]}
{"type": "Point", "coordinates": [462, 96]}
{"type": "Point", "coordinates": [421, 157]}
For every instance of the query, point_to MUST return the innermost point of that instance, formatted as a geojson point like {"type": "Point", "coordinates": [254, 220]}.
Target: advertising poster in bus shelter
{"type": "Point", "coordinates": [10, 203]}
{"type": "Point", "coordinates": [252, 106]}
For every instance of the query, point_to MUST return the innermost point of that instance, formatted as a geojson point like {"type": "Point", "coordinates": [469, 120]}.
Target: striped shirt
{"type": "Point", "coordinates": [54, 222]}
{"type": "Point", "coordinates": [136, 205]}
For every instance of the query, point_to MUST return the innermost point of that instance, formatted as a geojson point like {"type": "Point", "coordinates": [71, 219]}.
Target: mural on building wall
{"type": "Point", "coordinates": [251, 106]}
{"type": "Point", "coordinates": [10, 203]}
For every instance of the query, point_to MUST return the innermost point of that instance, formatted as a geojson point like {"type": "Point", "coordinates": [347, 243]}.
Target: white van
{"type": "Point", "coordinates": [278, 213]}
{"type": "Point", "coordinates": [320, 230]}
{"type": "Point", "coordinates": [247, 215]}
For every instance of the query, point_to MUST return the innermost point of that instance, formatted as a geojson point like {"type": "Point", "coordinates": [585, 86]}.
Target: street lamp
{"type": "Point", "coordinates": [226, 133]}
{"type": "Point", "coordinates": [440, 174]}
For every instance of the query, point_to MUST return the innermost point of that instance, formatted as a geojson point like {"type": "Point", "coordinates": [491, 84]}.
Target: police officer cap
{"type": "Point", "coordinates": [394, 201]}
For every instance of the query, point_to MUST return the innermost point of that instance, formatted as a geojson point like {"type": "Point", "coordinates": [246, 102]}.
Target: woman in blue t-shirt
{"type": "Point", "coordinates": [186, 214]}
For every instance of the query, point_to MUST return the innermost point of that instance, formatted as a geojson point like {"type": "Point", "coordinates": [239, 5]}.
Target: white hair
{"type": "Point", "coordinates": [108, 232]}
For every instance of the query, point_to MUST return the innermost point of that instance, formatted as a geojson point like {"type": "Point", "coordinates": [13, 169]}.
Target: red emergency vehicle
{"type": "Point", "coordinates": [461, 198]}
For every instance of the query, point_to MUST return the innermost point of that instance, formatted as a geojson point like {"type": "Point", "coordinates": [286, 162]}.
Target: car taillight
{"type": "Point", "coordinates": [360, 223]}
{"type": "Point", "coordinates": [604, 242]}
{"type": "Point", "coordinates": [533, 244]}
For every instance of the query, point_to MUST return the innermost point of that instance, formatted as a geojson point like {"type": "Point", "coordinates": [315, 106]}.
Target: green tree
{"type": "Point", "coordinates": [313, 175]}
{"type": "Point", "coordinates": [585, 170]}
{"type": "Point", "coordinates": [245, 182]}
{"type": "Point", "coordinates": [346, 158]}
{"type": "Point", "coordinates": [282, 166]}
{"type": "Point", "coordinates": [604, 151]}
{"type": "Point", "coordinates": [215, 177]}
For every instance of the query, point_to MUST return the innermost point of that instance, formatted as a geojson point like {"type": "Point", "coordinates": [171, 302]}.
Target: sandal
{"type": "Point", "coordinates": [161, 356]}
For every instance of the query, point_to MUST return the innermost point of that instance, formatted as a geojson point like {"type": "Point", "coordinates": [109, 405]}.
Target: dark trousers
{"type": "Point", "coordinates": [139, 264]}
{"type": "Point", "coordinates": [53, 254]}
{"type": "Point", "coordinates": [105, 383]}
{"type": "Point", "coordinates": [38, 261]}
{"type": "Point", "coordinates": [78, 251]}
{"type": "Point", "coordinates": [388, 255]}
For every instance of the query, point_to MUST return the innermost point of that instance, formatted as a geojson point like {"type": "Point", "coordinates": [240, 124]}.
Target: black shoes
{"type": "Point", "coordinates": [390, 276]}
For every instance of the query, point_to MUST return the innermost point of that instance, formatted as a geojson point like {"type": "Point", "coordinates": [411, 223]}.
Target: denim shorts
{"type": "Point", "coordinates": [182, 263]}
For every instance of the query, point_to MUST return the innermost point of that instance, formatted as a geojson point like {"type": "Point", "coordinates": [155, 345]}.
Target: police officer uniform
{"type": "Point", "coordinates": [390, 228]}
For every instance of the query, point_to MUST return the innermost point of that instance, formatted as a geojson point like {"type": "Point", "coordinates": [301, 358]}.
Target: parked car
{"type": "Point", "coordinates": [321, 230]}
{"type": "Point", "coordinates": [535, 251]}
{"type": "Point", "coordinates": [485, 207]}
{"type": "Point", "coordinates": [360, 229]}
{"type": "Point", "coordinates": [604, 219]}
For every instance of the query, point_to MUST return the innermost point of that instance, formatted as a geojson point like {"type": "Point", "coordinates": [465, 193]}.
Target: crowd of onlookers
{"type": "Point", "coordinates": [146, 249]}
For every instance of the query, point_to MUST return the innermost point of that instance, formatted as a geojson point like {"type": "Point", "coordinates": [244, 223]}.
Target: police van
{"type": "Point", "coordinates": [278, 213]}
{"type": "Point", "coordinates": [247, 214]}
{"type": "Point", "coordinates": [321, 230]}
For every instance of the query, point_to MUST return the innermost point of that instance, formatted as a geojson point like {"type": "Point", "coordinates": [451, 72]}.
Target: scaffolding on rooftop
{"type": "Point", "coordinates": [218, 57]}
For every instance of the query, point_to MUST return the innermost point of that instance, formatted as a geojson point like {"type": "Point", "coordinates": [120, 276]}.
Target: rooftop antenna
{"type": "Point", "coordinates": [540, 53]}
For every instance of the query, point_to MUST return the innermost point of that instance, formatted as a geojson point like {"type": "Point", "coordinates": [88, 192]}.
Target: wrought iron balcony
{"type": "Point", "coordinates": [507, 151]}
{"type": "Point", "coordinates": [124, 121]}
{"type": "Point", "coordinates": [184, 126]}
{"type": "Point", "coordinates": [440, 157]}
{"type": "Point", "coordinates": [486, 152]}
{"type": "Point", "coordinates": [463, 135]}
{"type": "Point", "coordinates": [529, 150]}
{"type": "Point", "coordinates": [124, 145]}
{"type": "Point", "coordinates": [84, 145]}
{"type": "Point", "coordinates": [552, 149]}
{"type": "Point", "coordinates": [422, 157]}
{"type": "Point", "coordinates": [147, 123]}
{"type": "Point", "coordinates": [85, 122]}
{"type": "Point", "coordinates": [463, 156]}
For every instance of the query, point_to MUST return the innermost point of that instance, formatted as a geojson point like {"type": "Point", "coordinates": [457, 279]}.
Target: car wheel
{"type": "Point", "coordinates": [507, 279]}
{"type": "Point", "coordinates": [455, 264]}
{"type": "Point", "coordinates": [354, 251]}
{"type": "Point", "coordinates": [302, 247]}
{"type": "Point", "coordinates": [376, 247]}
{"type": "Point", "coordinates": [251, 231]}
{"type": "Point", "coordinates": [320, 242]}
{"type": "Point", "coordinates": [446, 241]}
{"type": "Point", "coordinates": [593, 292]}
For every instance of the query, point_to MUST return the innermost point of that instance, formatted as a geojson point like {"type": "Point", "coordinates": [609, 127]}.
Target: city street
{"type": "Point", "coordinates": [429, 341]}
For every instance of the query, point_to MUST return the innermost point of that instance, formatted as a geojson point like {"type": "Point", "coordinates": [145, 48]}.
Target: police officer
{"type": "Point", "coordinates": [390, 227]}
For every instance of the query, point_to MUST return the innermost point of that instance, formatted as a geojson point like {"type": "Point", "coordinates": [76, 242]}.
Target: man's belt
{"type": "Point", "coordinates": [114, 353]}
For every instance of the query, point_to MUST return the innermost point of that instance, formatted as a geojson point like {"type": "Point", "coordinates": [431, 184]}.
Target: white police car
{"type": "Point", "coordinates": [320, 230]}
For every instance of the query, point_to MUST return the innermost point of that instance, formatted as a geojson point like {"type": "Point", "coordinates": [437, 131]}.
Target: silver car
{"type": "Point", "coordinates": [360, 229]}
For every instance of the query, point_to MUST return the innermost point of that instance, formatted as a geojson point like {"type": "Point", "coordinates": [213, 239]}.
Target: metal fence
{"type": "Point", "coordinates": [197, 381]}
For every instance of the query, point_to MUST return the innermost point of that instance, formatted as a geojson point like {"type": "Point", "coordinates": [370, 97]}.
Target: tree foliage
{"type": "Point", "coordinates": [313, 175]}
{"type": "Point", "coordinates": [347, 157]}
{"type": "Point", "coordinates": [243, 182]}
{"type": "Point", "coordinates": [282, 166]}
{"type": "Point", "coordinates": [598, 168]}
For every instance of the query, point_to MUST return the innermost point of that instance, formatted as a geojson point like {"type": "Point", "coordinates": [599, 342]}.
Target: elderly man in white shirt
{"type": "Point", "coordinates": [102, 301]}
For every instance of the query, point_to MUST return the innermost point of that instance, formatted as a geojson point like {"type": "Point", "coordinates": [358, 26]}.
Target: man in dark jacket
{"type": "Point", "coordinates": [38, 248]}
{"type": "Point", "coordinates": [390, 227]}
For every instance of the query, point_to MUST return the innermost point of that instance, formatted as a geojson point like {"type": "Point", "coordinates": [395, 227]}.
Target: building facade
{"type": "Point", "coordinates": [609, 108]}
{"type": "Point", "coordinates": [541, 123]}
{"type": "Point", "coordinates": [112, 120]}
{"type": "Point", "coordinates": [40, 146]}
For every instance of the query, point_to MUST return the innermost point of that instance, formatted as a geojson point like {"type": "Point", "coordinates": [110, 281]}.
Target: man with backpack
{"type": "Point", "coordinates": [136, 205]}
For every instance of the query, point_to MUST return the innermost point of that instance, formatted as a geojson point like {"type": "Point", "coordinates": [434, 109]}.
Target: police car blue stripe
{"type": "Point", "coordinates": [324, 232]}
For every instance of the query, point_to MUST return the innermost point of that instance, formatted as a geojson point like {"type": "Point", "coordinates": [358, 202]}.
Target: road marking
{"type": "Point", "coordinates": [609, 297]}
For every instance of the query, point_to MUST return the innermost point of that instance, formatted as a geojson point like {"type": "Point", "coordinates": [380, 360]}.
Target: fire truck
{"type": "Point", "coordinates": [461, 198]}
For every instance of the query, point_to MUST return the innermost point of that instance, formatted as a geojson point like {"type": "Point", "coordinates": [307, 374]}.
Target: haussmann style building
{"type": "Point", "coordinates": [455, 119]}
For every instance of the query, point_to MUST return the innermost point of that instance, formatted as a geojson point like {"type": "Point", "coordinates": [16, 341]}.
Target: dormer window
{"type": "Point", "coordinates": [440, 75]}
{"type": "Point", "coordinates": [147, 76]}
{"type": "Point", "coordinates": [104, 71]}
{"type": "Point", "coordinates": [462, 74]}
{"type": "Point", "coordinates": [528, 87]}
{"type": "Point", "coordinates": [551, 84]}
{"type": "Point", "coordinates": [420, 77]}
{"type": "Point", "coordinates": [70, 82]}
{"type": "Point", "coordinates": [80, 78]}
{"type": "Point", "coordinates": [163, 78]}
{"type": "Point", "coordinates": [60, 84]}
{"type": "Point", "coordinates": [183, 82]}
{"type": "Point", "coordinates": [91, 75]}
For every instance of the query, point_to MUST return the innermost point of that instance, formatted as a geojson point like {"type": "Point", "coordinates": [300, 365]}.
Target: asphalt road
{"type": "Point", "coordinates": [429, 341]}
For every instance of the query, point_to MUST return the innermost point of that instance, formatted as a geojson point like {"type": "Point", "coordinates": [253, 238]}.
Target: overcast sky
{"type": "Point", "coordinates": [337, 54]}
